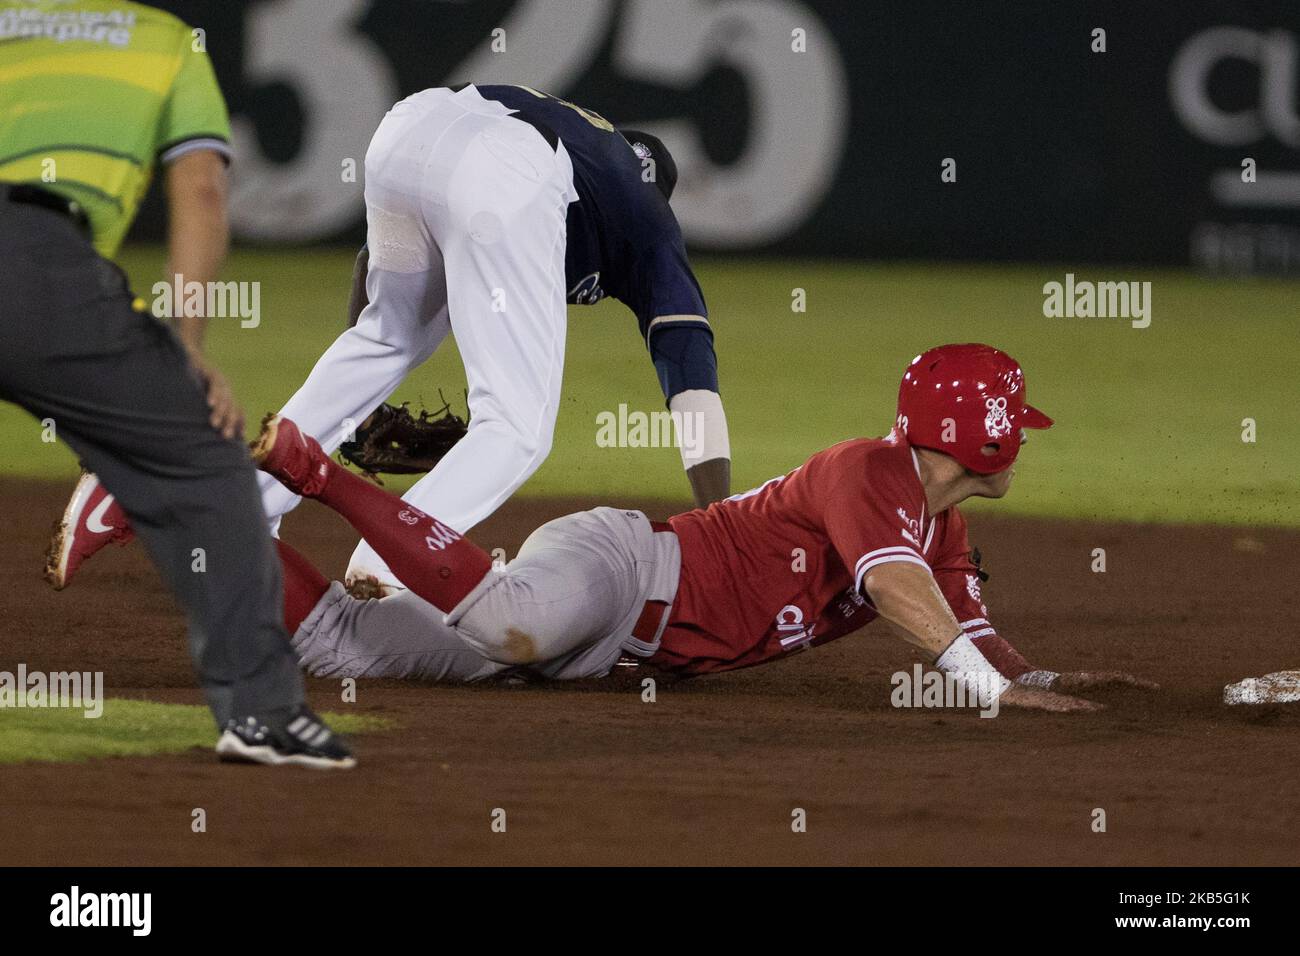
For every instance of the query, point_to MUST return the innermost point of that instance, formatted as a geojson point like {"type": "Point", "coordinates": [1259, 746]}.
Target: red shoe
{"type": "Point", "coordinates": [297, 460]}
{"type": "Point", "coordinates": [92, 520]}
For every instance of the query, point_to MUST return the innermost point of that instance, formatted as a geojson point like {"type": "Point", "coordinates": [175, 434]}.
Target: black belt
{"type": "Point", "coordinates": [29, 194]}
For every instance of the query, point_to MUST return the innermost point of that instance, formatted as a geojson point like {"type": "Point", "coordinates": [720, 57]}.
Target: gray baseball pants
{"type": "Point", "coordinates": [563, 609]}
{"type": "Point", "coordinates": [121, 392]}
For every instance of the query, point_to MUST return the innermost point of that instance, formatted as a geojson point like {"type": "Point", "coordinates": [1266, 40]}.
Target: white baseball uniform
{"type": "Point", "coordinates": [465, 217]}
{"type": "Point", "coordinates": [470, 230]}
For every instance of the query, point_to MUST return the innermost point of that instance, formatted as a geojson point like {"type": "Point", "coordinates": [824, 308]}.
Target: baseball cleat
{"type": "Point", "coordinates": [297, 460]}
{"type": "Point", "coordinates": [1282, 687]}
{"type": "Point", "coordinates": [92, 519]}
{"type": "Point", "coordinates": [297, 738]}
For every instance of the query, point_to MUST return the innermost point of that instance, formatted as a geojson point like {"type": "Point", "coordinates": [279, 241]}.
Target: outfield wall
{"type": "Point", "coordinates": [820, 127]}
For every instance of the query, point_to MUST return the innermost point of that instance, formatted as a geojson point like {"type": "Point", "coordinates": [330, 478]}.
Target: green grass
{"type": "Point", "coordinates": [127, 728]}
{"type": "Point", "coordinates": [1149, 419]}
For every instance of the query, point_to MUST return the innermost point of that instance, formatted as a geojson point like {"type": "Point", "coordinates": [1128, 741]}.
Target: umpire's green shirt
{"type": "Point", "coordinates": [93, 93]}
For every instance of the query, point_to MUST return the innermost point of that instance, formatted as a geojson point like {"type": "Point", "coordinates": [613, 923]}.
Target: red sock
{"type": "Point", "coordinates": [303, 586]}
{"type": "Point", "coordinates": [431, 559]}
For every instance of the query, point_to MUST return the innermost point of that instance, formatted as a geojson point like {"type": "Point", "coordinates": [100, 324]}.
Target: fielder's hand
{"type": "Point", "coordinates": [1074, 682]}
{"type": "Point", "coordinates": [1035, 698]}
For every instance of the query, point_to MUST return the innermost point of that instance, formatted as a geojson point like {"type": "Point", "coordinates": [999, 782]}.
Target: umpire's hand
{"type": "Point", "coordinates": [226, 415]}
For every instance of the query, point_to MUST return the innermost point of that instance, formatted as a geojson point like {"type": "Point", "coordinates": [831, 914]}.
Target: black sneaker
{"type": "Point", "coordinates": [299, 739]}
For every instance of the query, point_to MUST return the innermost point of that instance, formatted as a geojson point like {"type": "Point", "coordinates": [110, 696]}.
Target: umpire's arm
{"type": "Point", "coordinates": [198, 231]}
{"type": "Point", "coordinates": [193, 144]}
{"type": "Point", "coordinates": [198, 237]}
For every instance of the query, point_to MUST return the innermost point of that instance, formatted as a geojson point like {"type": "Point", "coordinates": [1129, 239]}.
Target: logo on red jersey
{"type": "Point", "coordinates": [789, 622]}
{"type": "Point", "coordinates": [851, 602]}
{"type": "Point", "coordinates": [911, 529]}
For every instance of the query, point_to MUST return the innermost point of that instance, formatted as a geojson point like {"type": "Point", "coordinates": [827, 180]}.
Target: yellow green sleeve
{"type": "Point", "coordinates": [194, 115]}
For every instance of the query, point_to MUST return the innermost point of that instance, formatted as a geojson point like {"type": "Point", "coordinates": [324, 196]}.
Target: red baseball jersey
{"type": "Point", "coordinates": [780, 568]}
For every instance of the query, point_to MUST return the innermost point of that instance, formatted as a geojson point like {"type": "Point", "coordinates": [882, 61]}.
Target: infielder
{"type": "Point", "coordinates": [487, 209]}
{"type": "Point", "coordinates": [875, 520]}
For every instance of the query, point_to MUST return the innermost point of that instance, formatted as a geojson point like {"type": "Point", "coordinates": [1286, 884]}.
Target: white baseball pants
{"type": "Point", "coordinates": [465, 216]}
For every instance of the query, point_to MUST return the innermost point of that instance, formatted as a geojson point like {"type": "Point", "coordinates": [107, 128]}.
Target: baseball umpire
{"type": "Point", "coordinates": [93, 95]}
{"type": "Point", "coordinates": [876, 520]}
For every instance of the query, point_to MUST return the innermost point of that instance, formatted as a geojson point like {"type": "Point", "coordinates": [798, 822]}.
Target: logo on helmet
{"type": "Point", "coordinates": [996, 422]}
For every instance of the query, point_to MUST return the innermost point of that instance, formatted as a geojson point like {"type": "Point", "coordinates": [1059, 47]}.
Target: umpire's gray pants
{"type": "Point", "coordinates": [563, 609]}
{"type": "Point", "coordinates": [121, 392]}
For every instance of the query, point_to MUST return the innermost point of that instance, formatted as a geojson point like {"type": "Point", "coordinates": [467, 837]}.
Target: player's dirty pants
{"type": "Point", "coordinates": [117, 387]}
{"type": "Point", "coordinates": [564, 608]}
{"type": "Point", "coordinates": [465, 213]}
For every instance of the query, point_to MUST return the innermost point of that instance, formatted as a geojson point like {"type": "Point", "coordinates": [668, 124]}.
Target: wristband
{"type": "Point", "coordinates": [700, 426]}
{"type": "Point", "coordinates": [964, 661]}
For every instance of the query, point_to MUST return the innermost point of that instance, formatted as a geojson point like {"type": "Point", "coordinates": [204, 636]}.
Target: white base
{"type": "Point", "coordinates": [1281, 687]}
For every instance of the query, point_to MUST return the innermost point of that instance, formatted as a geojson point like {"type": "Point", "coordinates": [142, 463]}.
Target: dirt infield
{"type": "Point", "coordinates": [711, 772]}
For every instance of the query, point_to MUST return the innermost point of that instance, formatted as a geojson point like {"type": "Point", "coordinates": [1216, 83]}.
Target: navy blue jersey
{"type": "Point", "coordinates": [623, 239]}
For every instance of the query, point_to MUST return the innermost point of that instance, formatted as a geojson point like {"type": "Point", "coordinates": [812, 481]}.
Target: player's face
{"type": "Point", "coordinates": [998, 484]}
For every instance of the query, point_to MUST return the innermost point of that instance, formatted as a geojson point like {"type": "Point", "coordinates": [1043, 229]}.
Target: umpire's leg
{"type": "Point", "coordinates": [121, 392]}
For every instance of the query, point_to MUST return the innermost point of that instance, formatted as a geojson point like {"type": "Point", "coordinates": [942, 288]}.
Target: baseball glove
{"type": "Point", "coordinates": [393, 441]}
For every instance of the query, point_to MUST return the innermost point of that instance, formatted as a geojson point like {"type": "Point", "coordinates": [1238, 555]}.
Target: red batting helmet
{"type": "Point", "coordinates": [958, 399]}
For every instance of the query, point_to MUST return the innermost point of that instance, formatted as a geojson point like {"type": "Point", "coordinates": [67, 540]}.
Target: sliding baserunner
{"type": "Point", "coordinates": [875, 520]}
